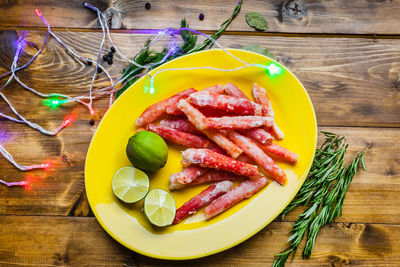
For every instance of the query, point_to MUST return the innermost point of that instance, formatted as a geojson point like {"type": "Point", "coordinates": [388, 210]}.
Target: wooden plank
{"type": "Point", "coordinates": [374, 193]}
{"type": "Point", "coordinates": [352, 82]}
{"type": "Point", "coordinates": [49, 241]}
{"type": "Point", "coordinates": [59, 191]}
{"type": "Point", "coordinates": [46, 241]}
{"type": "Point", "coordinates": [294, 16]}
{"type": "Point", "coordinates": [372, 197]}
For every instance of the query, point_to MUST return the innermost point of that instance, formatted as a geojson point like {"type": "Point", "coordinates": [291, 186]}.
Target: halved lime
{"type": "Point", "coordinates": [159, 207]}
{"type": "Point", "coordinates": [130, 184]}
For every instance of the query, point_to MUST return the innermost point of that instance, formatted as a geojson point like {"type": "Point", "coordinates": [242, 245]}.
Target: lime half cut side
{"type": "Point", "coordinates": [159, 207]}
{"type": "Point", "coordinates": [130, 184]}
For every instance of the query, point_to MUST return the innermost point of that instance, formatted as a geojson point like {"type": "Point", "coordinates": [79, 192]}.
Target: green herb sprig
{"type": "Point", "coordinates": [189, 46]}
{"type": "Point", "coordinates": [322, 193]}
{"type": "Point", "coordinates": [208, 43]}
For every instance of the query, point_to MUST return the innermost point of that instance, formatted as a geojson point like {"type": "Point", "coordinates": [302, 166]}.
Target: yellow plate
{"type": "Point", "coordinates": [196, 237]}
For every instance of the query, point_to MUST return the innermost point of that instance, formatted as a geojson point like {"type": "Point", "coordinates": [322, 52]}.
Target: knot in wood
{"type": "Point", "coordinates": [337, 260]}
{"type": "Point", "coordinates": [396, 85]}
{"type": "Point", "coordinates": [114, 18]}
{"type": "Point", "coordinates": [294, 8]}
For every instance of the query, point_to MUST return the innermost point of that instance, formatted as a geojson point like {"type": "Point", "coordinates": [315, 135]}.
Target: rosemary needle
{"type": "Point", "coordinates": [322, 193]}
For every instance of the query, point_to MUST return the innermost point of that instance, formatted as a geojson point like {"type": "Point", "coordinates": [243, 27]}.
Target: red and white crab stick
{"type": "Point", "coordinates": [257, 154]}
{"type": "Point", "coordinates": [158, 109]}
{"type": "Point", "coordinates": [212, 176]}
{"type": "Point", "coordinates": [281, 153]}
{"type": "Point", "coordinates": [205, 197]}
{"type": "Point", "coordinates": [258, 134]}
{"type": "Point", "coordinates": [199, 121]}
{"type": "Point", "coordinates": [217, 89]}
{"type": "Point", "coordinates": [186, 176]}
{"type": "Point", "coordinates": [209, 159]}
{"type": "Point", "coordinates": [178, 137]}
{"type": "Point", "coordinates": [226, 103]}
{"type": "Point", "coordinates": [180, 124]}
{"type": "Point", "coordinates": [261, 97]}
{"type": "Point", "coordinates": [245, 190]}
{"type": "Point", "coordinates": [209, 176]}
{"type": "Point", "coordinates": [235, 91]}
{"type": "Point", "coordinates": [239, 122]}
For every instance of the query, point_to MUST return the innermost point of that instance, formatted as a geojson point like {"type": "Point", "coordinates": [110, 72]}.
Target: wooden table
{"type": "Point", "coordinates": [346, 53]}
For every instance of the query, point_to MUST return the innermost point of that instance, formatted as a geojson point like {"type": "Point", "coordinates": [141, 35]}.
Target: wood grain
{"type": "Point", "coordinates": [290, 16]}
{"type": "Point", "coordinates": [81, 241]}
{"type": "Point", "coordinates": [372, 196]}
{"type": "Point", "coordinates": [354, 84]}
{"type": "Point", "coordinates": [351, 82]}
{"type": "Point", "coordinates": [374, 193]}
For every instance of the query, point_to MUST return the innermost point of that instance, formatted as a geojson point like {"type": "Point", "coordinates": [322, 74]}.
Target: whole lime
{"type": "Point", "coordinates": [147, 151]}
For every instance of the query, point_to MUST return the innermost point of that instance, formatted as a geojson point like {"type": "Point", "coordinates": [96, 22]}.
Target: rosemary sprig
{"type": "Point", "coordinates": [323, 193]}
{"type": "Point", "coordinates": [189, 42]}
{"type": "Point", "coordinates": [150, 56]}
{"type": "Point", "coordinates": [222, 29]}
{"type": "Point", "coordinates": [143, 58]}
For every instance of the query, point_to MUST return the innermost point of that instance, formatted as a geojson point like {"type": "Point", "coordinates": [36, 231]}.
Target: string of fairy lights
{"type": "Point", "coordinates": [56, 99]}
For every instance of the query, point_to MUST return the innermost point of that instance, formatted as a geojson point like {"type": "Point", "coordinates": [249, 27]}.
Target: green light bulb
{"type": "Point", "coordinates": [274, 69]}
{"type": "Point", "coordinates": [54, 103]}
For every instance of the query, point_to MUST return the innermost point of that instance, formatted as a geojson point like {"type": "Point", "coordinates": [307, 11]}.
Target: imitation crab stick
{"type": "Point", "coordinates": [186, 176]}
{"type": "Point", "coordinates": [180, 124]}
{"type": "Point", "coordinates": [205, 197]}
{"type": "Point", "coordinates": [199, 121]}
{"type": "Point", "coordinates": [257, 154]}
{"type": "Point", "coordinates": [238, 122]}
{"type": "Point", "coordinates": [226, 103]}
{"type": "Point", "coordinates": [281, 153]}
{"type": "Point", "coordinates": [158, 109]}
{"type": "Point", "coordinates": [209, 159]}
{"type": "Point", "coordinates": [245, 190]}
{"type": "Point", "coordinates": [233, 90]}
{"type": "Point", "coordinates": [179, 137]}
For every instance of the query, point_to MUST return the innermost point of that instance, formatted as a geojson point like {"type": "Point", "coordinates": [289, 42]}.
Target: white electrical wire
{"type": "Point", "coordinates": [98, 93]}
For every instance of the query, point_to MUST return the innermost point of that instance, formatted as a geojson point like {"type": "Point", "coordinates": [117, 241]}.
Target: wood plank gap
{"type": "Point", "coordinates": [208, 32]}
{"type": "Point", "coordinates": [85, 120]}
{"type": "Point", "coordinates": [394, 126]}
{"type": "Point", "coordinates": [274, 221]}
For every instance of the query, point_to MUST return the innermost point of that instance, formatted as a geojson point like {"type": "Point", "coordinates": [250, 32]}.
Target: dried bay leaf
{"type": "Point", "coordinates": [257, 21]}
{"type": "Point", "coordinates": [259, 49]}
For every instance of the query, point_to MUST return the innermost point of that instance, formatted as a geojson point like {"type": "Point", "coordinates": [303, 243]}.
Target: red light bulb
{"type": "Point", "coordinates": [69, 119]}
{"type": "Point", "coordinates": [27, 182]}
{"type": "Point", "coordinates": [66, 122]}
{"type": "Point", "coordinates": [45, 166]}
